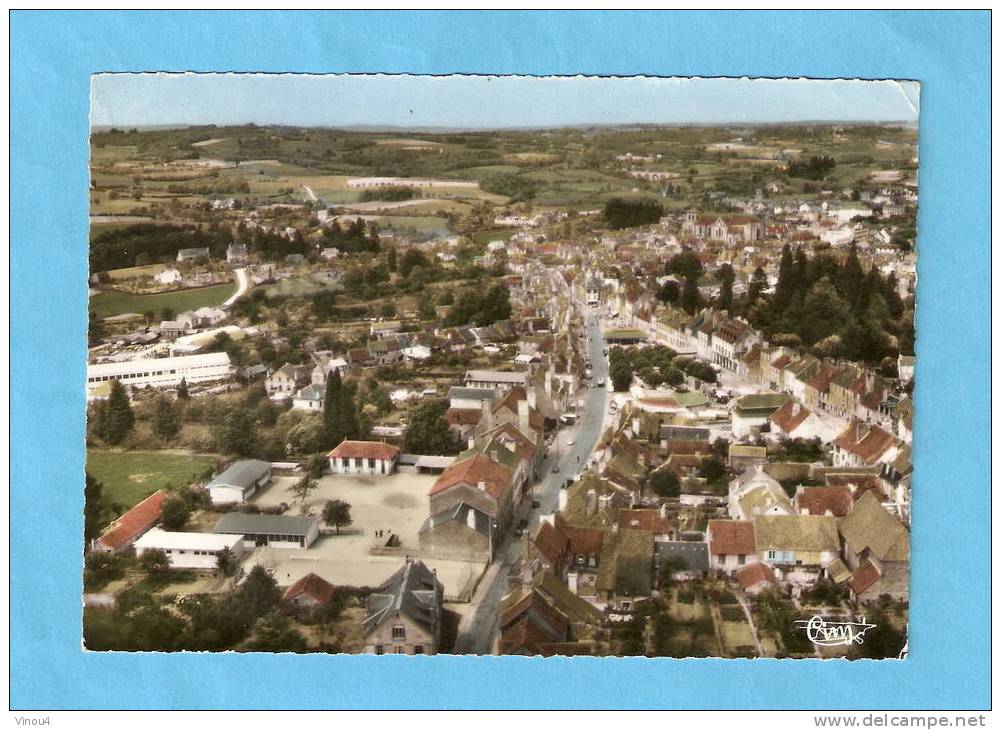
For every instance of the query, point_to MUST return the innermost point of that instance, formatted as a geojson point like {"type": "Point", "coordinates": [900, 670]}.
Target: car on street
{"type": "Point", "coordinates": [571, 442]}
{"type": "Point", "coordinates": [520, 529]}
{"type": "Point", "coordinates": [536, 504]}
{"type": "Point", "coordinates": [556, 469]}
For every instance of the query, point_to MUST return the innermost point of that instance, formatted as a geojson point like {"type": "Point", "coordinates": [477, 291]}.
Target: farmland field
{"type": "Point", "coordinates": [111, 303]}
{"type": "Point", "coordinates": [128, 477]}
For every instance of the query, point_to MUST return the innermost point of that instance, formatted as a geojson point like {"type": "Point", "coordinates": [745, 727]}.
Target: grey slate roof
{"type": "Point", "coordinates": [458, 391]}
{"type": "Point", "coordinates": [683, 433]}
{"type": "Point", "coordinates": [241, 474]}
{"type": "Point", "coordinates": [235, 523]}
{"type": "Point", "coordinates": [695, 555]}
{"type": "Point", "coordinates": [459, 513]}
{"type": "Point", "coordinates": [414, 591]}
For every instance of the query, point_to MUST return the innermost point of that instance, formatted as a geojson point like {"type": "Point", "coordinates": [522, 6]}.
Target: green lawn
{"type": "Point", "coordinates": [110, 303]}
{"type": "Point", "coordinates": [128, 477]}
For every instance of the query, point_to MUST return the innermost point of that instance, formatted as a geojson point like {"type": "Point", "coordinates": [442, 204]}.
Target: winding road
{"type": "Point", "coordinates": [243, 284]}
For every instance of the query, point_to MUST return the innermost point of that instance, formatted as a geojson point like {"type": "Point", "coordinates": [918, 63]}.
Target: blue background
{"type": "Point", "coordinates": [52, 56]}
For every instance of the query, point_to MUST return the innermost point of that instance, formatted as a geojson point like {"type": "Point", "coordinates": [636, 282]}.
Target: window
{"type": "Point", "coordinates": [741, 559]}
{"type": "Point", "coordinates": [626, 605]}
{"type": "Point", "coordinates": [401, 650]}
{"type": "Point", "coordinates": [721, 559]}
{"type": "Point", "coordinates": [771, 555]}
{"type": "Point", "coordinates": [378, 649]}
{"type": "Point", "coordinates": [399, 633]}
{"type": "Point", "coordinates": [371, 463]}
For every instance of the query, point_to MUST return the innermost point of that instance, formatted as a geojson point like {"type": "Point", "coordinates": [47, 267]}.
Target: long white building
{"type": "Point", "coordinates": [161, 372]}
{"type": "Point", "coordinates": [197, 550]}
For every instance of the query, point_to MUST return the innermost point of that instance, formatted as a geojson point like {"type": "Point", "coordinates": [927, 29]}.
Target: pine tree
{"type": "Point", "coordinates": [726, 278]}
{"type": "Point", "coordinates": [759, 282]}
{"type": "Point", "coordinates": [851, 279]}
{"type": "Point", "coordinates": [182, 390]}
{"type": "Point", "coordinates": [118, 417]}
{"type": "Point", "coordinates": [690, 295]}
{"type": "Point", "coordinates": [238, 436]}
{"type": "Point", "coordinates": [785, 288]}
{"type": "Point", "coordinates": [391, 259]}
{"type": "Point", "coordinates": [331, 407]}
{"type": "Point", "coordinates": [95, 509]}
{"type": "Point", "coordinates": [165, 421]}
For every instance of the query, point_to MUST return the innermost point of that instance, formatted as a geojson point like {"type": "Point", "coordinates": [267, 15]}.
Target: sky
{"type": "Point", "coordinates": [484, 102]}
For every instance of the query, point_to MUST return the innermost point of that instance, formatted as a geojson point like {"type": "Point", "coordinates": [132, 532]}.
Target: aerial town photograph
{"type": "Point", "coordinates": [509, 380]}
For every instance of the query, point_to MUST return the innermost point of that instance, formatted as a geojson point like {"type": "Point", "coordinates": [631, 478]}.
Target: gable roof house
{"type": "Point", "coordinates": [542, 617]}
{"type": "Point", "coordinates": [798, 544]}
{"type": "Point", "coordinates": [625, 570]}
{"type": "Point", "coordinates": [363, 457]}
{"type": "Point", "coordinates": [478, 481]}
{"type": "Point", "coordinates": [834, 501]}
{"type": "Point", "coordinates": [461, 532]}
{"type": "Point", "coordinates": [123, 532]}
{"type": "Point", "coordinates": [754, 493]}
{"type": "Point", "coordinates": [876, 548]}
{"type": "Point", "coordinates": [309, 593]}
{"type": "Point", "coordinates": [403, 615]}
{"type": "Point", "coordinates": [861, 444]}
{"type": "Point", "coordinates": [239, 481]}
{"type": "Point", "coordinates": [796, 421]}
{"type": "Point", "coordinates": [731, 544]}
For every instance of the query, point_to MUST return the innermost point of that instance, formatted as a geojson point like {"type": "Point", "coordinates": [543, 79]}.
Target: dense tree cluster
{"type": "Point", "coordinates": [391, 194]}
{"type": "Point", "coordinates": [340, 414]}
{"type": "Point", "coordinates": [836, 308]}
{"type": "Point", "coordinates": [630, 212]}
{"type": "Point", "coordinates": [816, 167]}
{"type": "Point", "coordinates": [472, 307]}
{"type": "Point", "coordinates": [428, 432]}
{"type": "Point", "coordinates": [515, 187]}
{"type": "Point", "coordinates": [653, 364]}
{"type": "Point", "coordinates": [149, 243]}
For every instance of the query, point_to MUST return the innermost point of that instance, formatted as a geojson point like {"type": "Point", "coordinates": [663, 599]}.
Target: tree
{"type": "Point", "coordinates": [238, 435]}
{"type": "Point", "coordinates": [154, 562]}
{"type": "Point", "coordinates": [665, 483]}
{"type": "Point", "coordinates": [755, 290]}
{"type": "Point", "coordinates": [690, 296]}
{"type": "Point", "coordinates": [258, 594]}
{"type": "Point", "coordinates": [712, 469]}
{"type": "Point", "coordinates": [622, 376]}
{"type": "Point", "coordinates": [316, 465]}
{"type": "Point", "coordinates": [669, 292]}
{"type": "Point", "coordinates": [391, 259]}
{"type": "Point", "coordinates": [302, 489]}
{"type": "Point", "coordinates": [118, 418]}
{"type": "Point", "coordinates": [165, 421]}
{"type": "Point", "coordinates": [337, 513]}
{"type": "Point", "coordinates": [95, 509]}
{"type": "Point", "coordinates": [428, 432]}
{"type": "Point", "coordinates": [629, 212]}
{"type": "Point", "coordinates": [785, 288]}
{"type": "Point", "coordinates": [182, 390]}
{"type": "Point", "coordinates": [726, 278]}
{"type": "Point", "coordinates": [175, 513]}
{"type": "Point", "coordinates": [226, 562]}
{"type": "Point", "coordinates": [273, 633]}
{"type": "Point", "coordinates": [95, 330]}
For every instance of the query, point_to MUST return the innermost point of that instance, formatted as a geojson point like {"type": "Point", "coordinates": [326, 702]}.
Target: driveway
{"type": "Point", "coordinates": [243, 284]}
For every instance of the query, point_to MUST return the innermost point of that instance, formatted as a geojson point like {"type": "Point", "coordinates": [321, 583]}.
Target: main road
{"type": "Point", "coordinates": [477, 634]}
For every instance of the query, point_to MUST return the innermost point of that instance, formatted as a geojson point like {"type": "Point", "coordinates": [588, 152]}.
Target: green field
{"type": "Point", "coordinates": [110, 303]}
{"type": "Point", "coordinates": [128, 477]}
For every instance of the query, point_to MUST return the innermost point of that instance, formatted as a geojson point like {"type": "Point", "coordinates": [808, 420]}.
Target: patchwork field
{"type": "Point", "coordinates": [128, 477]}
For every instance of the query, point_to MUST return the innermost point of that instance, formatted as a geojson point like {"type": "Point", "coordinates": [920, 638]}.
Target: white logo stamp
{"type": "Point", "coordinates": [835, 633]}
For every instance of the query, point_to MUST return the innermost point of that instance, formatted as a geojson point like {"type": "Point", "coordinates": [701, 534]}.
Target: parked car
{"type": "Point", "coordinates": [520, 529]}
{"type": "Point", "coordinates": [556, 469]}
{"type": "Point", "coordinates": [536, 504]}
{"type": "Point", "coordinates": [571, 442]}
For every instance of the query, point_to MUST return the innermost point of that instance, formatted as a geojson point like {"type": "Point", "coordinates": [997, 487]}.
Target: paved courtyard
{"type": "Point", "coordinates": [396, 504]}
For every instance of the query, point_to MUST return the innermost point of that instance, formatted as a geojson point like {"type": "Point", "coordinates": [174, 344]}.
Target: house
{"type": "Point", "coordinates": [756, 578]}
{"type": "Point", "coordinates": [795, 421]}
{"type": "Point", "coordinates": [752, 412]}
{"type": "Point", "coordinates": [276, 531]}
{"type": "Point", "coordinates": [403, 615]}
{"type": "Point", "coordinates": [876, 547]}
{"type": "Point", "coordinates": [625, 569]}
{"type": "Point", "coordinates": [236, 253]}
{"type": "Point", "coordinates": [754, 493]}
{"type": "Point", "coordinates": [478, 481]}
{"type": "Point", "coordinates": [124, 531]}
{"type": "Point", "coordinates": [363, 457]}
{"type": "Point", "coordinates": [285, 381]}
{"type": "Point", "coordinates": [190, 550]}
{"type": "Point", "coordinates": [239, 482]}
{"type": "Point", "coordinates": [801, 545]}
{"type": "Point", "coordinates": [461, 532]}
{"type": "Point", "coordinates": [862, 444]}
{"type": "Point", "coordinates": [669, 433]}
{"type": "Point", "coordinates": [309, 398]}
{"type": "Point", "coordinates": [542, 617]}
{"type": "Point", "coordinates": [168, 276]}
{"type": "Point", "coordinates": [470, 398]}
{"type": "Point", "coordinates": [731, 544]}
{"type": "Point", "coordinates": [689, 559]}
{"type": "Point", "coordinates": [494, 379]}
{"type": "Point", "coordinates": [191, 254]}
{"type": "Point", "coordinates": [741, 456]}
{"type": "Point", "coordinates": [310, 593]}
{"type": "Point", "coordinates": [835, 501]}
{"type": "Point", "coordinates": [462, 420]}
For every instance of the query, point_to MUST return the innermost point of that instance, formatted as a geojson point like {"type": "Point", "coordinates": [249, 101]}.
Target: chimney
{"type": "Point", "coordinates": [523, 416]}
{"type": "Point", "coordinates": [471, 518]}
{"type": "Point", "coordinates": [470, 442]}
{"type": "Point", "coordinates": [663, 512]}
{"type": "Point", "coordinates": [562, 502]}
{"type": "Point", "coordinates": [530, 396]}
{"type": "Point", "coordinates": [493, 456]}
{"type": "Point", "coordinates": [795, 408]}
{"type": "Point", "coordinates": [481, 485]}
{"type": "Point", "coordinates": [592, 502]}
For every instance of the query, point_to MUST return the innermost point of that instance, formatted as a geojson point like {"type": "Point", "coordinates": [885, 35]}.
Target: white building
{"type": "Point", "coordinates": [309, 398]}
{"type": "Point", "coordinates": [164, 372]}
{"type": "Point", "coordinates": [363, 457]}
{"type": "Point", "coordinates": [496, 379]}
{"type": "Point", "coordinates": [276, 531]}
{"type": "Point", "coordinates": [191, 550]}
{"type": "Point", "coordinates": [170, 275]}
{"type": "Point", "coordinates": [239, 482]}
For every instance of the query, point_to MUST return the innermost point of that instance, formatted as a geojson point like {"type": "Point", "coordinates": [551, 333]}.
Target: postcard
{"type": "Point", "coordinates": [500, 365]}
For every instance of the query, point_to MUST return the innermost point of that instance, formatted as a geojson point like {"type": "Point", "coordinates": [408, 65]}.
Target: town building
{"type": "Point", "coordinates": [190, 550]}
{"type": "Point", "coordinates": [276, 531]}
{"type": "Point", "coordinates": [403, 615]}
{"type": "Point", "coordinates": [163, 372]}
{"type": "Point", "coordinates": [239, 482]}
{"type": "Point", "coordinates": [372, 458]}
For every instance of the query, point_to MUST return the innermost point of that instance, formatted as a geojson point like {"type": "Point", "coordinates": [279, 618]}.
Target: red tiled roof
{"type": "Point", "coordinates": [679, 446]}
{"type": "Point", "coordinates": [818, 500]}
{"type": "Point", "coordinates": [781, 361]}
{"type": "Point", "coordinates": [731, 537]}
{"type": "Point", "coordinates": [583, 540]}
{"type": "Point", "coordinates": [753, 574]}
{"type": "Point", "coordinates": [364, 450]}
{"type": "Point", "coordinates": [864, 577]}
{"type": "Point", "coordinates": [789, 417]}
{"type": "Point", "coordinates": [649, 520]}
{"type": "Point", "coordinates": [478, 468]}
{"type": "Point", "coordinates": [865, 441]}
{"type": "Point", "coordinates": [313, 586]}
{"type": "Point", "coordinates": [134, 523]}
{"type": "Point", "coordinates": [551, 542]}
